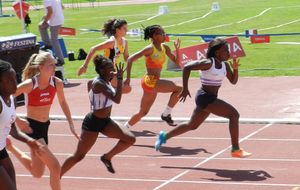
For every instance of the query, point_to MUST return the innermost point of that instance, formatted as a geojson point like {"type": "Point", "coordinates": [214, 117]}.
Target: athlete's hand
{"type": "Point", "coordinates": [73, 131]}
{"type": "Point", "coordinates": [23, 125]}
{"type": "Point", "coordinates": [177, 43]}
{"type": "Point", "coordinates": [82, 70]}
{"type": "Point", "coordinates": [120, 70]}
{"type": "Point", "coordinates": [127, 82]}
{"type": "Point", "coordinates": [35, 145]}
{"type": "Point", "coordinates": [235, 63]}
{"type": "Point", "coordinates": [183, 94]}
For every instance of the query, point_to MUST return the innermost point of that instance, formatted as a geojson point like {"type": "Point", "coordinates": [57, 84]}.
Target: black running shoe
{"type": "Point", "coordinates": [168, 119]}
{"type": "Point", "coordinates": [107, 164]}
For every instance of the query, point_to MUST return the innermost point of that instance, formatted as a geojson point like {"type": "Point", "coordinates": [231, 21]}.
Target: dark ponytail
{"type": "Point", "coordinates": [110, 26]}
{"type": "Point", "coordinates": [150, 30]}
{"type": "Point", "coordinates": [215, 45]}
{"type": "Point", "coordinates": [4, 66]}
{"type": "Point", "coordinates": [100, 62]}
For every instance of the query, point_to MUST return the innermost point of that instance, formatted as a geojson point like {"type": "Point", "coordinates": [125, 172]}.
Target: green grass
{"type": "Point", "coordinates": [261, 60]}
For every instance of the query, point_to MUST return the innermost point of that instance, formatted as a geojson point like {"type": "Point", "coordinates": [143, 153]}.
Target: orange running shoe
{"type": "Point", "coordinates": [240, 153]}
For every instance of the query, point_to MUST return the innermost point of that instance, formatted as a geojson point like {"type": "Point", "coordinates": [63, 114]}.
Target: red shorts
{"type": "Point", "coordinates": [148, 83]}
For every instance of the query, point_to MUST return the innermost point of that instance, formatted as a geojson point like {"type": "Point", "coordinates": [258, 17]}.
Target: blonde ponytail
{"type": "Point", "coordinates": [32, 66]}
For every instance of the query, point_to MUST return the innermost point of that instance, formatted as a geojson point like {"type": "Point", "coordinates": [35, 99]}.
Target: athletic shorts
{"type": "Point", "coordinates": [148, 83]}
{"type": "Point", "coordinates": [3, 154]}
{"type": "Point", "coordinates": [203, 98]}
{"type": "Point", "coordinates": [40, 129]}
{"type": "Point", "coordinates": [94, 124]}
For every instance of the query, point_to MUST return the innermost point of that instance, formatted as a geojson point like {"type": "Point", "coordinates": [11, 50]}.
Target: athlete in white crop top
{"type": "Point", "coordinates": [8, 86]}
{"type": "Point", "coordinates": [214, 69]}
{"type": "Point", "coordinates": [102, 95]}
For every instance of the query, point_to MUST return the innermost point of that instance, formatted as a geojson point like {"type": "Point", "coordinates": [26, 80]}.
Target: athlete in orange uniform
{"type": "Point", "coordinates": [116, 45]}
{"type": "Point", "coordinates": [155, 56]}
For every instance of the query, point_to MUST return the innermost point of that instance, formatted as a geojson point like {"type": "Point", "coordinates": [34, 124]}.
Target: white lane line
{"type": "Point", "coordinates": [240, 183]}
{"type": "Point", "coordinates": [210, 158]}
{"type": "Point", "coordinates": [212, 27]}
{"type": "Point", "coordinates": [229, 24]}
{"type": "Point", "coordinates": [139, 21]}
{"type": "Point", "coordinates": [260, 14]}
{"type": "Point", "coordinates": [191, 138]}
{"type": "Point", "coordinates": [181, 157]}
{"type": "Point", "coordinates": [161, 180]}
{"type": "Point", "coordinates": [188, 21]}
{"type": "Point", "coordinates": [280, 25]}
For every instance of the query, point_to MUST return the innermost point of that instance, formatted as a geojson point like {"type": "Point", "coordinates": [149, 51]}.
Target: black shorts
{"type": "Point", "coordinates": [3, 154]}
{"type": "Point", "coordinates": [203, 98]}
{"type": "Point", "coordinates": [94, 124]}
{"type": "Point", "coordinates": [40, 129]}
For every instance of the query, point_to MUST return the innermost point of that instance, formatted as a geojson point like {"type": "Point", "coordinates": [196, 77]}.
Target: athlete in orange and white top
{"type": "Point", "coordinates": [116, 45]}
{"type": "Point", "coordinates": [155, 56]}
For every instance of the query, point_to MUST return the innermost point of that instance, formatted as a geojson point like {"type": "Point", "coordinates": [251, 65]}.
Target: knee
{"type": "Point", "coordinates": [55, 168]}
{"type": "Point", "coordinates": [178, 89]}
{"type": "Point", "coordinates": [143, 113]}
{"type": "Point", "coordinates": [131, 139]}
{"type": "Point", "coordinates": [193, 126]}
{"type": "Point", "coordinates": [37, 174]}
{"type": "Point", "coordinates": [79, 157]}
{"type": "Point", "coordinates": [235, 115]}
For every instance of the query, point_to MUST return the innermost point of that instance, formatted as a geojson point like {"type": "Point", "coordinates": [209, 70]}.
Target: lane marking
{"type": "Point", "coordinates": [210, 158]}
{"type": "Point", "coordinates": [161, 180]}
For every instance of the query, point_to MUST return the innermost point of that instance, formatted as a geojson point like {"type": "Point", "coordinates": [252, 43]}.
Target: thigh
{"type": "Point", "coordinates": [86, 142]}
{"type": "Point", "coordinates": [165, 86]}
{"type": "Point", "coordinates": [115, 130]}
{"type": "Point", "coordinates": [7, 174]}
{"type": "Point", "coordinates": [221, 108]}
{"type": "Point", "coordinates": [198, 117]}
{"type": "Point", "coordinates": [147, 101]}
{"type": "Point", "coordinates": [5, 180]}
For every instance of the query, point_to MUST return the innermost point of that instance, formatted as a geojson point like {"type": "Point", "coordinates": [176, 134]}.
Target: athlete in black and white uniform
{"type": "Point", "coordinates": [102, 95]}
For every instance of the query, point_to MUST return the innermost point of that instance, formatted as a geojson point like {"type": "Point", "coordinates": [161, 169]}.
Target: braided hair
{"type": "Point", "coordinates": [100, 62]}
{"type": "Point", "coordinates": [150, 30]}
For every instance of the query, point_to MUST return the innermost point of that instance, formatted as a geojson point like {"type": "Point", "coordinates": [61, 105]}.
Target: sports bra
{"type": "Point", "coordinates": [157, 58]}
{"type": "Point", "coordinates": [213, 76]}
{"type": "Point", "coordinates": [117, 49]}
{"type": "Point", "coordinates": [38, 97]}
{"type": "Point", "coordinates": [100, 101]}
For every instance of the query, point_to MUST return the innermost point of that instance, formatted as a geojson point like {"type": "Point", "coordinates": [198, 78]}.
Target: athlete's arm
{"type": "Point", "coordinates": [193, 65]}
{"type": "Point", "coordinates": [104, 45]}
{"type": "Point", "coordinates": [144, 52]}
{"type": "Point", "coordinates": [24, 87]}
{"type": "Point", "coordinates": [174, 58]}
{"type": "Point", "coordinates": [64, 105]}
{"type": "Point", "coordinates": [101, 87]}
{"type": "Point", "coordinates": [233, 74]}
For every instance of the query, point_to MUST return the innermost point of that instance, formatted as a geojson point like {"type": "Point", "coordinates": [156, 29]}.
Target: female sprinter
{"type": "Point", "coordinates": [102, 95]}
{"type": "Point", "coordinates": [8, 86]}
{"type": "Point", "coordinates": [39, 87]}
{"type": "Point", "coordinates": [155, 56]}
{"type": "Point", "coordinates": [214, 69]}
{"type": "Point", "coordinates": [115, 30]}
